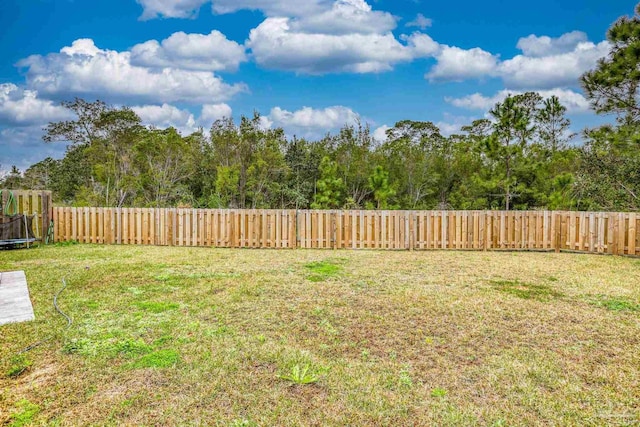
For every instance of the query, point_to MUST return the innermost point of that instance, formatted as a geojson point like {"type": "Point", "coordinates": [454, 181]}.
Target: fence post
{"type": "Point", "coordinates": [297, 243]}
{"type": "Point", "coordinates": [557, 232]}
{"type": "Point", "coordinates": [412, 231]}
{"type": "Point", "coordinates": [332, 221]}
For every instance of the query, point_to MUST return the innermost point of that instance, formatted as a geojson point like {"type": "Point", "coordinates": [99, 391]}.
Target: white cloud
{"type": "Point", "coordinates": [212, 112]}
{"type": "Point", "coordinates": [575, 102]}
{"type": "Point", "coordinates": [313, 119]}
{"type": "Point", "coordinates": [562, 69]}
{"type": "Point", "coordinates": [170, 8]}
{"type": "Point", "coordinates": [311, 37]}
{"type": "Point", "coordinates": [456, 64]}
{"type": "Point", "coordinates": [546, 63]}
{"type": "Point", "coordinates": [451, 124]}
{"type": "Point", "coordinates": [447, 128]}
{"type": "Point", "coordinates": [204, 52]}
{"type": "Point", "coordinates": [265, 123]}
{"type": "Point", "coordinates": [273, 7]}
{"type": "Point", "coordinates": [346, 17]}
{"type": "Point", "coordinates": [20, 107]}
{"type": "Point", "coordinates": [421, 22]}
{"type": "Point", "coordinates": [421, 45]}
{"type": "Point", "coordinates": [380, 134]}
{"type": "Point", "coordinates": [165, 115]}
{"type": "Point", "coordinates": [276, 45]}
{"type": "Point", "coordinates": [535, 46]}
{"type": "Point", "coordinates": [189, 8]}
{"type": "Point", "coordinates": [86, 70]}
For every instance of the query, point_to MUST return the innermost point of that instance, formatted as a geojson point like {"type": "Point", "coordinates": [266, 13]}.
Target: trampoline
{"type": "Point", "coordinates": [15, 229]}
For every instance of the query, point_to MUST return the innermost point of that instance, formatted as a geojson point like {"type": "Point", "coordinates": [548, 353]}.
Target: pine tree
{"type": "Point", "coordinates": [329, 187]}
{"type": "Point", "coordinates": [382, 190]}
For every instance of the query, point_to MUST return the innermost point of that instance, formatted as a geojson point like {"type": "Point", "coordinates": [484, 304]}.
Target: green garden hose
{"type": "Point", "coordinates": [49, 236]}
{"type": "Point", "coordinates": [62, 313]}
{"type": "Point", "coordinates": [11, 201]}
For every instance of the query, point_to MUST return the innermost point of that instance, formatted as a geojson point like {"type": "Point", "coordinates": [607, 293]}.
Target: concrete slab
{"type": "Point", "coordinates": [15, 304]}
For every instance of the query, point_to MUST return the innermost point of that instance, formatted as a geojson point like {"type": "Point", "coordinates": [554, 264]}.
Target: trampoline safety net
{"type": "Point", "coordinates": [13, 228]}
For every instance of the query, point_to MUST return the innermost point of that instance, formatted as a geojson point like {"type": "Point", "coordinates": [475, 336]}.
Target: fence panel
{"type": "Point", "coordinates": [595, 232]}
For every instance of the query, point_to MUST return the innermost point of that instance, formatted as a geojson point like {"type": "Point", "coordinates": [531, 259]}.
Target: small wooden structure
{"type": "Point", "coordinates": [25, 216]}
{"type": "Point", "coordinates": [15, 304]}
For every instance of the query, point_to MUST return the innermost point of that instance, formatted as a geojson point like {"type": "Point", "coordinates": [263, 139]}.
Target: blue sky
{"type": "Point", "coordinates": [307, 66]}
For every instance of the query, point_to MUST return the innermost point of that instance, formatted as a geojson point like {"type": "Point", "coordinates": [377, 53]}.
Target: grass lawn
{"type": "Point", "coordinates": [189, 336]}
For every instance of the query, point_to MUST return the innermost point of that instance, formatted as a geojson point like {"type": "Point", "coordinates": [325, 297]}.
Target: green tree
{"type": "Point", "coordinates": [303, 160]}
{"type": "Point", "coordinates": [553, 125]}
{"type": "Point", "coordinates": [251, 158]}
{"type": "Point", "coordinates": [329, 188]}
{"type": "Point", "coordinates": [40, 175]}
{"type": "Point", "coordinates": [512, 129]}
{"type": "Point", "coordinates": [106, 137]}
{"type": "Point", "coordinates": [609, 175]}
{"type": "Point", "coordinates": [382, 189]}
{"type": "Point", "coordinates": [13, 180]}
{"type": "Point", "coordinates": [164, 161]}
{"type": "Point", "coordinates": [612, 87]}
{"type": "Point", "coordinates": [409, 153]}
{"type": "Point", "coordinates": [352, 153]}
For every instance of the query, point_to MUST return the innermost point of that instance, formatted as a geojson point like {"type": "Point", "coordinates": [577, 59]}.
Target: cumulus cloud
{"type": "Point", "coordinates": [190, 8]}
{"type": "Point", "coordinates": [212, 112]}
{"type": "Point", "coordinates": [561, 69]}
{"type": "Point", "coordinates": [456, 64]}
{"type": "Point", "coordinates": [315, 119]}
{"type": "Point", "coordinates": [203, 52]}
{"type": "Point", "coordinates": [346, 17]}
{"type": "Point", "coordinates": [546, 62]}
{"type": "Point", "coordinates": [447, 128]}
{"type": "Point", "coordinates": [380, 134]}
{"type": "Point", "coordinates": [574, 101]}
{"type": "Point", "coordinates": [421, 22]}
{"type": "Point", "coordinates": [276, 44]}
{"type": "Point", "coordinates": [170, 8]}
{"type": "Point", "coordinates": [536, 46]}
{"type": "Point", "coordinates": [311, 37]}
{"type": "Point", "coordinates": [166, 115]}
{"type": "Point", "coordinates": [86, 70]}
{"type": "Point", "coordinates": [452, 124]}
{"type": "Point", "coordinates": [20, 107]}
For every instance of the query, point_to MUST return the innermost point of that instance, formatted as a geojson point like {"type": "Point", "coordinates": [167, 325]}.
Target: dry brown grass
{"type": "Point", "coordinates": [185, 336]}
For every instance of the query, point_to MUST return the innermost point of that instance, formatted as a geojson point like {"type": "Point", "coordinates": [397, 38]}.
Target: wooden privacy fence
{"type": "Point", "coordinates": [29, 202]}
{"type": "Point", "coordinates": [597, 232]}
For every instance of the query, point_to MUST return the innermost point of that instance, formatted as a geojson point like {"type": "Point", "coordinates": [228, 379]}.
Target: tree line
{"type": "Point", "coordinates": [520, 157]}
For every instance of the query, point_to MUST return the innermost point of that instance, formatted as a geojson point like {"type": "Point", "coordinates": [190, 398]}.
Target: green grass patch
{"type": "Point", "coordinates": [18, 365]}
{"type": "Point", "coordinates": [538, 292]}
{"type": "Point", "coordinates": [438, 392]}
{"type": "Point", "coordinates": [301, 375]}
{"type": "Point", "coordinates": [158, 359]}
{"type": "Point", "coordinates": [613, 303]}
{"type": "Point", "coordinates": [323, 270]}
{"type": "Point", "coordinates": [24, 413]}
{"type": "Point", "coordinates": [106, 347]}
{"type": "Point", "coordinates": [157, 307]}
